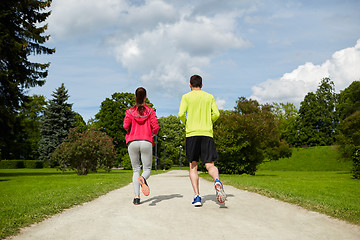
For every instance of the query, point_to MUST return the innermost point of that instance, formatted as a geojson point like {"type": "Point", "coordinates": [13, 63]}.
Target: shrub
{"type": "Point", "coordinates": [348, 140]}
{"type": "Point", "coordinates": [33, 164]}
{"type": "Point", "coordinates": [11, 164]}
{"type": "Point", "coordinates": [126, 162]}
{"type": "Point", "coordinates": [14, 164]}
{"type": "Point", "coordinates": [356, 160]}
{"type": "Point", "coordinates": [85, 152]}
{"type": "Point", "coordinates": [244, 139]}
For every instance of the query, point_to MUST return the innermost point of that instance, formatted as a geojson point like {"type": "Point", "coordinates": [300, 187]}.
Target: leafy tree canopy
{"type": "Point", "coordinates": [349, 100]}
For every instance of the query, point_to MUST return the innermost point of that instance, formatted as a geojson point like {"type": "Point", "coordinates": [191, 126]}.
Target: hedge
{"type": "Point", "coordinates": [13, 164]}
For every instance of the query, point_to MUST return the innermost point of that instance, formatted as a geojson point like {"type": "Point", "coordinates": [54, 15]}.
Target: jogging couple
{"type": "Point", "coordinates": [198, 111]}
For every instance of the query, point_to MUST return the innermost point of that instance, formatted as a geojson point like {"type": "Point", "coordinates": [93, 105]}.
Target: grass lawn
{"type": "Point", "coordinates": [313, 178]}
{"type": "Point", "coordinates": [31, 195]}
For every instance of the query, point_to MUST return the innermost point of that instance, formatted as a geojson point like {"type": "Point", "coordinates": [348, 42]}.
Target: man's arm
{"type": "Point", "coordinates": [214, 111]}
{"type": "Point", "coordinates": [182, 110]}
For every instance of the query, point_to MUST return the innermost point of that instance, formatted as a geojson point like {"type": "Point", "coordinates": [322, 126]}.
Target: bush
{"type": "Point", "coordinates": [85, 152]}
{"type": "Point", "coordinates": [33, 164]}
{"type": "Point", "coordinates": [14, 164]}
{"type": "Point", "coordinates": [356, 160]}
{"type": "Point", "coordinates": [244, 140]}
{"type": "Point", "coordinates": [126, 162]}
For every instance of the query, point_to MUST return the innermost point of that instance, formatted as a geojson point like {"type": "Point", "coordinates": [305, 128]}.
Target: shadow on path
{"type": "Point", "coordinates": [157, 199]}
{"type": "Point", "coordinates": [212, 197]}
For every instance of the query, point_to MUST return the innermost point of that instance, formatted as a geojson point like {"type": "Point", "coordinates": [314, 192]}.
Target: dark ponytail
{"type": "Point", "coordinates": [140, 94]}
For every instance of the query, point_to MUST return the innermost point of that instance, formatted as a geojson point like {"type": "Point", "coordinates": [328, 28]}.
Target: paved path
{"type": "Point", "coordinates": [168, 214]}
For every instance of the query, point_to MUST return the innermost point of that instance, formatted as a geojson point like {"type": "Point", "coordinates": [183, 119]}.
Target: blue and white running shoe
{"type": "Point", "coordinates": [220, 193]}
{"type": "Point", "coordinates": [197, 201]}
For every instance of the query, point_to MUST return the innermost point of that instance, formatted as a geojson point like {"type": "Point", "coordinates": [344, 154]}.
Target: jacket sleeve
{"type": "Point", "coordinates": [127, 121]}
{"type": "Point", "coordinates": [182, 110]}
{"type": "Point", "coordinates": [214, 111]}
{"type": "Point", "coordinates": [154, 122]}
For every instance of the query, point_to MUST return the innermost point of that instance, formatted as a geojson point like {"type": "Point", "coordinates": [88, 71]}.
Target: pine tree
{"type": "Point", "coordinates": [58, 119]}
{"type": "Point", "coordinates": [21, 35]}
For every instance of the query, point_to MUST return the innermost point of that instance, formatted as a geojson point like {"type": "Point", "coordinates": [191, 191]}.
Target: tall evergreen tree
{"type": "Point", "coordinates": [58, 119]}
{"type": "Point", "coordinates": [20, 36]}
{"type": "Point", "coordinates": [317, 120]}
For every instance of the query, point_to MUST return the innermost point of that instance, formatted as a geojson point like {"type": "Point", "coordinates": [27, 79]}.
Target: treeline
{"type": "Point", "coordinates": [245, 136]}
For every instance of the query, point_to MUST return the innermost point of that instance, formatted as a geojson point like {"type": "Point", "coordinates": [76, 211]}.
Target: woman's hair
{"type": "Point", "coordinates": [140, 94]}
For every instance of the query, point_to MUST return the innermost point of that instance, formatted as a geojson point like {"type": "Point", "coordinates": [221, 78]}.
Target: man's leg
{"type": "Point", "coordinates": [212, 170]}
{"type": "Point", "coordinates": [214, 173]}
{"type": "Point", "coordinates": [194, 177]}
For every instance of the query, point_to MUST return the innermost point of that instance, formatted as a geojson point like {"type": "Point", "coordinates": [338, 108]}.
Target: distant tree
{"type": "Point", "coordinates": [349, 100]}
{"type": "Point", "coordinates": [24, 142]}
{"type": "Point", "coordinates": [56, 122]}
{"type": "Point", "coordinates": [80, 124]}
{"type": "Point", "coordinates": [318, 120]}
{"type": "Point", "coordinates": [21, 35]}
{"type": "Point", "coordinates": [171, 139]}
{"type": "Point", "coordinates": [111, 116]}
{"type": "Point", "coordinates": [286, 114]}
{"type": "Point", "coordinates": [348, 140]}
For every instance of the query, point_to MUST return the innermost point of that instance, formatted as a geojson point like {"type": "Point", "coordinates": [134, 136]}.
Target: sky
{"type": "Point", "coordinates": [270, 51]}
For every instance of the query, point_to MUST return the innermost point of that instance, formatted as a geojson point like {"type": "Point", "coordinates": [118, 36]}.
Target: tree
{"type": "Point", "coordinates": [318, 120]}
{"type": "Point", "coordinates": [58, 119]}
{"type": "Point", "coordinates": [349, 100]}
{"type": "Point", "coordinates": [171, 142]}
{"type": "Point", "coordinates": [85, 151]}
{"type": "Point", "coordinates": [80, 124]}
{"type": "Point", "coordinates": [348, 140]}
{"type": "Point", "coordinates": [111, 117]}
{"type": "Point", "coordinates": [286, 115]}
{"type": "Point", "coordinates": [246, 136]}
{"type": "Point", "coordinates": [20, 36]}
{"type": "Point", "coordinates": [24, 140]}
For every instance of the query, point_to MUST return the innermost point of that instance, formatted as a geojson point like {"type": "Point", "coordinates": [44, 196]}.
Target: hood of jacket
{"type": "Point", "coordinates": [140, 119]}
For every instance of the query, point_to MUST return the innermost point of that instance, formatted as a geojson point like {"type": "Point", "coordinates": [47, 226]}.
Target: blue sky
{"type": "Point", "coordinates": [271, 51]}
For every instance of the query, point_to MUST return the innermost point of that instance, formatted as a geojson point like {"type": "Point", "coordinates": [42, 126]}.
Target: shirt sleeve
{"type": "Point", "coordinates": [182, 110]}
{"type": "Point", "coordinates": [127, 121]}
{"type": "Point", "coordinates": [154, 122]}
{"type": "Point", "coordinates": [214, 111]}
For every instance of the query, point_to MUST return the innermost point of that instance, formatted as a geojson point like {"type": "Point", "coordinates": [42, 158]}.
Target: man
{"type": "Point", "coordinates": [198, 111]}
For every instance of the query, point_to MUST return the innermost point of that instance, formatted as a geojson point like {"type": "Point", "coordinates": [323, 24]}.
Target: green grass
{"type": "Point", "coordinates": [313, 178]}
{"type": "Point", "coordinates": [310, 159]}
{"type": "Point", "coordinates": [31, 195]}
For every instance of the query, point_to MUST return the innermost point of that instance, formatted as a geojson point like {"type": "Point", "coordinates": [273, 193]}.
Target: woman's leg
{"type": "Point", "coordinates": [134, 153]}
{"type": "Point", "coordinates": [146, 158]}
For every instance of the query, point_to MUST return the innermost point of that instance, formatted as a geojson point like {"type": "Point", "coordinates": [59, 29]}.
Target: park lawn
{"type": "Point", "coordinates": [315, 178]}
{"type": "Point", "coordinates": [31, 195]}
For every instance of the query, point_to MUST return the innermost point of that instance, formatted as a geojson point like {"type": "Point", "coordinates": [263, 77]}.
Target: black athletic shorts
{"type": "Point", "coordinates": [201, 146]}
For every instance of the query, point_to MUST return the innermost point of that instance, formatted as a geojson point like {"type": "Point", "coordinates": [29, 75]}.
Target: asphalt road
{"type": "Point", "coordinates": [167, 213]}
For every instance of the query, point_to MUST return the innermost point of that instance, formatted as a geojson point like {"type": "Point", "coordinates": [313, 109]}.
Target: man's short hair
{"type": "Point", "coordinates": [196, 81]}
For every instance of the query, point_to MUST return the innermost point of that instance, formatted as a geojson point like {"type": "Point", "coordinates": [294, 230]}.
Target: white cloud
{"type": "Point", "coordinates": [161, 43]}
{"type": "Point", "coordinates": [343, 68]}
{"type": "Point", "coordinates": [166, 55]}
{"type": "Point", "coordinates": [220, 103]}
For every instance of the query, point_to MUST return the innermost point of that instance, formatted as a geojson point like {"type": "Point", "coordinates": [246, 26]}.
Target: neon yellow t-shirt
{"type": "Point", "coordinates": [198, 111]}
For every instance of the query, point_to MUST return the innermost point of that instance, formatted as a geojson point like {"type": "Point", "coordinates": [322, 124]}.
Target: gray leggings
{"type": "Point", "coordinates": [140, 150]}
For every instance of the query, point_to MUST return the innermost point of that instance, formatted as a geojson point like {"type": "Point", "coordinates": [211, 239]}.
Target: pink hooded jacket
{"type": "Point", "coordinates": [140, 127]}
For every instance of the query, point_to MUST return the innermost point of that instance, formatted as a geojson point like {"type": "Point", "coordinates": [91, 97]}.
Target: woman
{"type": "Point", "coordinates": [141, 125]}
